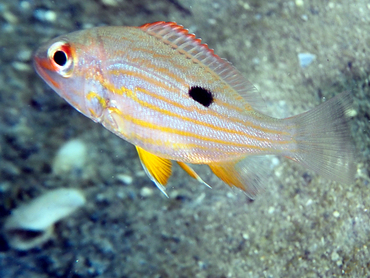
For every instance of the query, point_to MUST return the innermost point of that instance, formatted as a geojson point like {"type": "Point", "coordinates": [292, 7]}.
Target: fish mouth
{"type": "Point", "coordinates": [46, 71]}
{"type": "Point", "coordinates": [43, 68]}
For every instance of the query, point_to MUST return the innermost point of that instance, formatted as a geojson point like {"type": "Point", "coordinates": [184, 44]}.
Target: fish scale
{"type": "Point", "coordinates": [163, 90]}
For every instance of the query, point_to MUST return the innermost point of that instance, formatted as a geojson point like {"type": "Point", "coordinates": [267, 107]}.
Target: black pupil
{"type": "Point", "coordinates": [201, 95]}
{"type": "Point", "coordinates": [60, 58]}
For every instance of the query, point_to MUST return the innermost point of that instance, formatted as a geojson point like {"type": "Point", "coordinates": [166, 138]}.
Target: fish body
{"type": "Point", "coordinates": [159, 88]}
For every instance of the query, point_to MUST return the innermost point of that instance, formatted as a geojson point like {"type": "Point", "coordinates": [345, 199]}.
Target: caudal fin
{"type": "Point", "coordinates": [324, 140]}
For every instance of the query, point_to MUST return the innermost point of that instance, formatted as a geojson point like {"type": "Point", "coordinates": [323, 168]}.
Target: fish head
{"type": "Point", "coordinates": [67, 66]}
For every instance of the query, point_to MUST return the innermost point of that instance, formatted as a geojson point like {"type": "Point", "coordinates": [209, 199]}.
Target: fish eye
{"type": "Point", "coordinates": [60, 57]}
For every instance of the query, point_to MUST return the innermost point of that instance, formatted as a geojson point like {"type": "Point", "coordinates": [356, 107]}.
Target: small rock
{"type": "Point", "coordinates": [146, 192]}
{"type": "Point", "coordinates": [25, 5]}
{"type": "Point", "coordinates": [126, 179]}
{"type": "Point", "coordinates": [112, 3]}
{"type": "Point", "coordinates": [50, 16]}
{"type": "Point", "coordinates": [24, 55]}
{"type": "Point", "coordinates": [19, 66]}
{"type": "Point", "coordinates": [10, 17]}
{"type": "Point", "coordinates": [45, 15]}
{"type": "Point", "coordinates": [305, 59]}
{"type": "Point", "coordinates": [299, 3]}
{"type": "Point", "coordinates": [351, 113]}
{"type": "Point", "coordinates": [32, 224]}
{"type": "Point", "coordinates": [334, 256]}
{"type": "Point", "coordinates": [212, 21]}
{"type": "Point", "coordinates": [70, 157]}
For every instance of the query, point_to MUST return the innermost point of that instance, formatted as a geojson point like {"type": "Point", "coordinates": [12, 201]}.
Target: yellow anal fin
{"type": "Point", "coordinates": [191, 172]}
{"type": "Point", "coordinates": [158, 169]}
{"type": "Point", "coordinates": [248, 174]}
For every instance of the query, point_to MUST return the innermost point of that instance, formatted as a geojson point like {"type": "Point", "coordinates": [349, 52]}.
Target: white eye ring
{"type": "Point", "coordinates": [61, 58]}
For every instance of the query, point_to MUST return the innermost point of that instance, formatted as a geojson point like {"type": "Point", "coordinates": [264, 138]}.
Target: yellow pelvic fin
{"type": "Point", "coordinates": [191, 172]}
{"type": "Point", "coordinates": [158, 169]}
{"type": "Point", "coordinates": [249, 174]}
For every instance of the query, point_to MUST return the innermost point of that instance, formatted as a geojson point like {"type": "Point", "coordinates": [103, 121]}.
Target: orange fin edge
{"type": "Point", "coordinates": [249, 174]}
{"type": "Point", "coordinates": [187, 43]}
{"type": "Point", "coordinates": [190, 171]}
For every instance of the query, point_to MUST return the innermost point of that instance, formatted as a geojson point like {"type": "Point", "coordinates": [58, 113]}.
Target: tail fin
{"type": "Point", "coordinates": [324, 139]}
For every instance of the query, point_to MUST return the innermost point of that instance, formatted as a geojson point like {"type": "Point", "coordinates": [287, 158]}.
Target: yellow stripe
{"type": "Point", "coordinates": [143, 77]}
{"type": "Point", "coordinates": [161, 70]}
{"type": "Point", "coordinates": [201, 123]}
{"type": "Point", "coordinates": [123, 90]}
{"type": "Point", "coordinates": [109, 86]}
{"type": "Point", "coordinates": [101, 100]}
{"type": "Point", "coordinates": [180, 80]}
{"type": "Point", "coordinates": [183, 133]}
{"type": "Point", "coordinates": [190, 57]}
{"type": "Point", "coordinates": [198, 158]}
{"type": "Point", "coordinates": [146, 104]}
{"type": "Point", "coordinates": [178, 66]}
{"type": "Point", "coordinates": [225, 88]}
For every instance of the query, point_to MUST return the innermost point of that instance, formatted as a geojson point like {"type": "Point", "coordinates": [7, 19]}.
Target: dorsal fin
{"type": "Point", "coordinates": [179, 38]}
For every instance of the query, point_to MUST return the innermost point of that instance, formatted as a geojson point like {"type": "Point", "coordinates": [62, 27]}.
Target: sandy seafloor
{"type": "Point", "coordinates": [301, 226]}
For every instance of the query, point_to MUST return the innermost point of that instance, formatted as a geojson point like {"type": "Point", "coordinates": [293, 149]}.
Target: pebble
{"type": "Point", "coordinates": [212, 21]}
{"type": "Point", "coordinates": [10, 17]}
{"type": "Point", "coordinates": [271, 210]}
{"type": "Point", "coordinates": [305, 59]}
{"type": "Point", "coordinates": [70, 157]}
{"type": "Point", "coordinates": [4, 187]}
{"type": "Point", "coordinates": [45, 15]}
{"type": "Point", "coordinates": [245, 236]}
{"type": "Point", "coordinates": [121, 195]}
{"type": "Point", "coordinates": [246, 6]}
{"type": "Point", "coordinates": [24, 55]}
{"type": "Point", "coordinates": [146, 192]}
{"type": "Point", "coordinates": [230, 195]}
{"type": "Point", "coordinates": [351, 113]}
{"type": "Point", "coordinates": [126, 179]}
{"type": "Point", "coordinates": [19, 66]}
{"type": "Point", "coordinates": [299, 3]}
{"type": "Point", "coordinates": [112, 3]}
{"type": "Point", "coordinates": [25, 5]}
{"type": "Point", "coordinates": [334, 256]}
{"type": "Point", "coordinates": [38, 217]}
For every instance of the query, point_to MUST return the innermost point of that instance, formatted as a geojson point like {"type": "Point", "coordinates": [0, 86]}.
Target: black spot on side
{"type": "Point", "coordinates": [201, 95]}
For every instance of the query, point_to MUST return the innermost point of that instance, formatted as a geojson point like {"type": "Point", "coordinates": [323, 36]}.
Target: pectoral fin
{"type": "Point", "coordinates": [158, 169]}
{"type": "Point", "coordinates": [192, 173]}
{"type": "Point", "coordinates": [249, 174]}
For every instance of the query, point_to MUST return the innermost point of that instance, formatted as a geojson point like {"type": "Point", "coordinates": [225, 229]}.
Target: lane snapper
{"type": "Point", "coordinates": [160, 88]}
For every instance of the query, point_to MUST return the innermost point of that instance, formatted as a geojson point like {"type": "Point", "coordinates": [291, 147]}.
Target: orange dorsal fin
{"type": "Point", "coordinates": [158, 169]}
{"type": "Point", "coordinates": [187, 44]}
{"type": "Point", "coordinates": [192, 173]}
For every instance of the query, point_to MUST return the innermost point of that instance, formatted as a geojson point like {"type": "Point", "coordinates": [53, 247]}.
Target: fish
{"type": "Point", "coordinates": [162, 89]}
